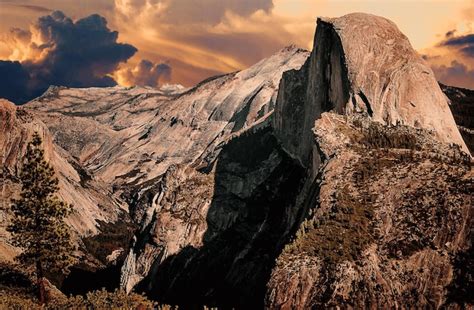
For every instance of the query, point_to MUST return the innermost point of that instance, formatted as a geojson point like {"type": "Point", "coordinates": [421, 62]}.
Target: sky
{"type": "Point", "coordinates": [83, 43]}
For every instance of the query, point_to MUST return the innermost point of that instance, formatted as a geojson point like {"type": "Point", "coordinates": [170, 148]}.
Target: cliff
{"type": "Point", "coordinates": [360, 63]}
{"type": "Point", "coordinates": [326, 179]}
{"type": "Point", "coordinates": [91, 198]}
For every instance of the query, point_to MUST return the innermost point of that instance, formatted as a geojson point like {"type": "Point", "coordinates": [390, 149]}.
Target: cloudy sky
{"type": "Point", "coordinates": [151, 42]}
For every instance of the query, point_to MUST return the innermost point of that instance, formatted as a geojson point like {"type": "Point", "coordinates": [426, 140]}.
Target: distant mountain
{"type": "Point", "coordinates": [462, 107]}
{"type": "Point", "coordinates": [323, 179]}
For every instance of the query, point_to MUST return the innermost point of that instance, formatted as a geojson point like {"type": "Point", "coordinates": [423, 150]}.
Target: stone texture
{"type": "Point", "coordinates": [91, 198]}
{"type": "Point", "coordinates": [127, 136]}
{"type": "Point", "coordinates": [247, 193]}
{"type": "Point", "coordinates": [361, 64]}
{"type": "Point", "coordinates": [394, 212]}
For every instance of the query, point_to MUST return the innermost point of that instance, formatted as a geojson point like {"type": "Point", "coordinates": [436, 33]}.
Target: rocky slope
{"type": "Point", "coordinates": [125, 135]}
{"type": "Point", "coordinates": [91, 198]}
{"type": "Point", "coordinates": [130, 138]}
{"type": "Point", "coordinates": [240, 214]}
{"type": "Point", "coordinates": [381, 231]}
{"type": "Point", "coordinates": [308, 180]}
{"type": "Point", "coordinates": [392, 219]}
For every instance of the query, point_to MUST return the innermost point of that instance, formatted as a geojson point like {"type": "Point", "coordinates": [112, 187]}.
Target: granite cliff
{"type": "Point", "coordinates": [332, 178]}
{"type": "Point", "coordinates": [92, 199]}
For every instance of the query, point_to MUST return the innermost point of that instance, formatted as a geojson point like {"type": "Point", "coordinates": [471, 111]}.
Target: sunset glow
{"type": "Point", "coordinates": [198, 39]}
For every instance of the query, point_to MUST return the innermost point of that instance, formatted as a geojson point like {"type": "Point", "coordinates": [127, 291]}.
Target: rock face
{"type": "Point", "coordinates": [91, 198]}
{"type": "Point", "coordinates": [325, 173]}
{"type": "Point", "coordinates": [360, 64]}
{"type": "Point", "coordinates": [125, 135]}
{"type": "Point", "coordinates": [375, 235]}
{"type": "Point", "coordinates": [392, 220]}
{"type": "Point", "coordinates": [325, 180]}
{"type": "Point", "coordinates": [189, 162]}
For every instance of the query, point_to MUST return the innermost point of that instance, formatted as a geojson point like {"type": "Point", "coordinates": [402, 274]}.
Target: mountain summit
{"type": "Point", "coordinates": [323, 179]}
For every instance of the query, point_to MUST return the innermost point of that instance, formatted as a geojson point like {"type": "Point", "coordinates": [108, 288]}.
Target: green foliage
{"type": "Point", "coordinates": [341, 234]}
{"type": "Point", "coordinates": [16, 301]}
{"type": "Point", "coordinates": [38, 225]}
{"type": "Point", "coordinates": [103, 299]}
{"type": "Point", "coordinates": [96, 300]}
{"type": "Point", "coordinates": [398, 137]}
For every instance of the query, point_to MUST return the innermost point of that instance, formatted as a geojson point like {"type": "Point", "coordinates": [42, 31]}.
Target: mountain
{"type": "Point", "coordinates": [92, 199]}
{"type": "Point", "coordinates": [336, 177]}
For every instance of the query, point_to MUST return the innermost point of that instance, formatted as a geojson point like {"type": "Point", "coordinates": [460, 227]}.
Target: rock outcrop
{"type": "Point", "coordinates": [91, 198]}
{"type": "Point", "coordinates": [360, 64]}
{"type": "Point", "coordinates": [367, 119]}
{"type": "Point", "coordinates": [336, 178]}
{"type": "Point", "coordinates": [390, 225]}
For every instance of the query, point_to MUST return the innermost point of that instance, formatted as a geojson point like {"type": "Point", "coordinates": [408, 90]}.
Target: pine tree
{"type": "Point", "coordinates": [38, 225]}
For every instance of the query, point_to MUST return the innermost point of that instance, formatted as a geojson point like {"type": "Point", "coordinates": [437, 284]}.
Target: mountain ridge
{"type": "Point", "coordinates": [238, 182]}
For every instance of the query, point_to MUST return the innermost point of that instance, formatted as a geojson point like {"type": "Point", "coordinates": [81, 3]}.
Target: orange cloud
{"type": "Point", "coordinates": [206, 37]}
{"type": "Point", "coordinates": [144, 73]}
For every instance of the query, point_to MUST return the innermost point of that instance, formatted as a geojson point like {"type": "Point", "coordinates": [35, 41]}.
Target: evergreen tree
{"type": "Point", "coordinates": [38, 225]}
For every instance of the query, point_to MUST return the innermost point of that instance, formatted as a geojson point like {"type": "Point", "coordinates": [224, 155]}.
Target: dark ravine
{"type": "Point", "coordinates": [244, 234]}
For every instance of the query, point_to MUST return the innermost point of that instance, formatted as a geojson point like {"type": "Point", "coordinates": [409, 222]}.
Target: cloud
{"type": "Point", "coordinates": [192, 11]}
{"type": "Point", "coordinates": [452, 58]}
{"type": "Point", "coordinates": [80, 54]}
{"type": "Point", "coordinates": [202, 38]}
{"type": "Point", "coordinates": [14, 81]}
{"type": "Point", "coordinates": [146, 73]}
{"type": "Point", "coordinates": [212, 11]}
{"type": "Point", "coordinates": [59, 51]}
{"type": "Point", "coordinates": [464, 43]}
{"type": "Point", "coordinates": [35, 8]}
{"type": "Point", "coordinates": [456, 74]}
{"type": "Point", "coordinates": [450, 33]}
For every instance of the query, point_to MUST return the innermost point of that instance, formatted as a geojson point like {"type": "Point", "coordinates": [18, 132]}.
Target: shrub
{"type": "Point", "coordinates": [95, 300]}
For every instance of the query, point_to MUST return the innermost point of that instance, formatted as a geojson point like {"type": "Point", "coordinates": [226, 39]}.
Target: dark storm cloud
{"type": "Point", "coordinates": [78, 54]}
{"type": "Point", "coordinates": [83, 52]}
{"type": "Point", "coordinates": [464, 43]}
{"type": "Point", "coordinates": [450, 33]}
{"type": "Point", "coordinates": [147, 73]}
{"type": "Point", "coordinates": [13, 81]}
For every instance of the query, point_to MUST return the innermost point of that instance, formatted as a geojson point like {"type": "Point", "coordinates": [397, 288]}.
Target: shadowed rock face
{"type": "Point", "coordinates": [332, 186]}
{"type": "Point", "coordinates": [360, 64]}
{"type": "Point", "coordinates": [462, 107]}
{"type": "Point", "coordinates": [161, 151]}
